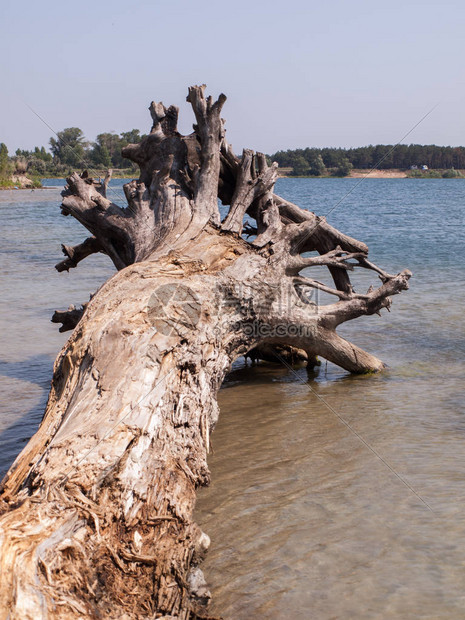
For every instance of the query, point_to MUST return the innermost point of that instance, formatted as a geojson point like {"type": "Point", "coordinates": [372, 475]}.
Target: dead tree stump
{"type": "Point", "coordinates": [96, 512]}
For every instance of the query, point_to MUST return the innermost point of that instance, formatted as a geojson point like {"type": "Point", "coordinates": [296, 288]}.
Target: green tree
{"type": "Point", "coordinates": [100, 156]}
{"type": "Point", "coordinates": [36, 166]}
{"type": "Point", "coordinates": [283, 158]}
{"type": "Point", "coordinates": [110, 143]}
{"type": "Point", "coordinates": [300, 166]}
{"type": "Point", "coordinates": [131, 137]}
{"type": "Point", "coordinates": [3, 159]}
{"type": "Point", "coordinates": [42, 154]}
{"type": "Point", "coordinates": [317, 166]}
{"type": "Point", "coordinates": [331, 157]}
{"type": "Point", "coordinates": [69, 147]}
{"type": "Point", "coordinates": [343, 167]}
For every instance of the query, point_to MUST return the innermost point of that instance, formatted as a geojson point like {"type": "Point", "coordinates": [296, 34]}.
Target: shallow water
{"type": "Point", "coordinates": [333, 496]}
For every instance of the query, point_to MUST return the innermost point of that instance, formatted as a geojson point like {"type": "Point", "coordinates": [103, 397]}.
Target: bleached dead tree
{"type": "Point", "coordinates": [97, 509]}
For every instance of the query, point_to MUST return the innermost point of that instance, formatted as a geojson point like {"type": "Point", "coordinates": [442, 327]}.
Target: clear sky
{"type": "Point", "coordinates": [297, 73]}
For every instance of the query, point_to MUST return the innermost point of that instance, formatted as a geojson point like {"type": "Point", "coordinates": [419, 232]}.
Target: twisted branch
{"type": "Point", "coordinates": [77, 253]}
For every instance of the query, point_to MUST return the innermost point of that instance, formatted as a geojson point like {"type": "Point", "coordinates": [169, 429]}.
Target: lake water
{"type": "Point", "coordinates": [332, 496]}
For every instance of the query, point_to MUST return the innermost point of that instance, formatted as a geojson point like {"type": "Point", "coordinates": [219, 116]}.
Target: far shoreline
{"type": "Point", "coordinates": [284, 173]}
{"type": "Point", "coordinates": [392, 173]}
{"type": "Point", "coordinates": [354, 174]}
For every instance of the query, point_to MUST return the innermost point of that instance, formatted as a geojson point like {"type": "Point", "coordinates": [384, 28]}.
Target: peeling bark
{"type": "Point", "coordinates": [96, 512]}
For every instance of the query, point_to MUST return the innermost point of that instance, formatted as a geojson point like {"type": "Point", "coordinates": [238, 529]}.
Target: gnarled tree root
{"type": "Point", "coordinates": [96, 512]}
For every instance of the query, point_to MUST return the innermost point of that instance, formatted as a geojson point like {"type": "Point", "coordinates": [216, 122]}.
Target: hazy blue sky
{"type": "Point", "coordinates": [297, 73]}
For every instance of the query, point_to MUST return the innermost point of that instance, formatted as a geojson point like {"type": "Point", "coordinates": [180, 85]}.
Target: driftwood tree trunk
{"type": "Point", "coordinates": [97, 509]}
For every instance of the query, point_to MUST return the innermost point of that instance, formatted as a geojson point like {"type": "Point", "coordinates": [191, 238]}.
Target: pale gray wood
{"type": "Point", "coordinates": [97, 510]}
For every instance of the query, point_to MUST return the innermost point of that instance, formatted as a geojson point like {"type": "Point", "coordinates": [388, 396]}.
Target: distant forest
{"type": "Point", "coordinates": [69, 150]}
{"type": "Point", "coordinates": [318, 162]}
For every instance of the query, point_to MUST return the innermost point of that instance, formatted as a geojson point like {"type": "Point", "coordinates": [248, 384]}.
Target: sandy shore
{"type": "Point", "coordinates": [356, 173]}
{"type": "Point", "coordinates": [378, 174]}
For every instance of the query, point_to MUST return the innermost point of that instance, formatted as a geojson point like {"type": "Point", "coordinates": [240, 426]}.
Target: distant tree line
{"type": "Point", "coordinates": [337, 161]}
{"type": "Point", "coordinates": [69, 150]}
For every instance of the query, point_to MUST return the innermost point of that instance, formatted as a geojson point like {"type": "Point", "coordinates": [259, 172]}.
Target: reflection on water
{"type": "Point", "coordinates": [306, 520]}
